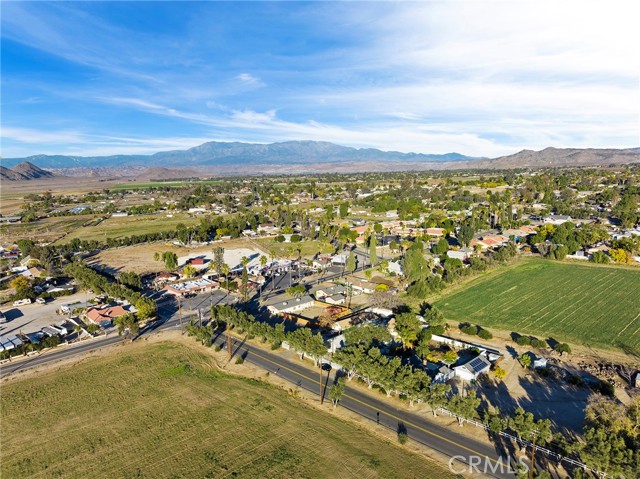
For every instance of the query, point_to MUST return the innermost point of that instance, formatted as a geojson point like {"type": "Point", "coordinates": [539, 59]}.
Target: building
{"type": "Point", "coordinates": [361, 286]}
{"type": "Point", "coordinates": [472, 369]}
{"type": "Point", "coordinates": [164, 278]}
{"type": "Point", "coordinates": [191, 287]}
{"type": "Point", "coordinates": [461, 254]}
{"type": "Point", "coordinates": [105, 316]}
{"type": "Point", "coordinates": [557, 219]}
{"type": "Point", "coordinates": [325, 291]}
{"type": "Point", "coordinates": [336, 299]}
{"type": "Point", "coordinates": [291, 306]}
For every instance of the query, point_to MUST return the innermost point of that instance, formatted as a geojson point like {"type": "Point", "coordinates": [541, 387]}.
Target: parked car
{"type": "Point", "coordinates": [21, 302]}
{"type": "Point", "coordinates": [3, 318]}
{"type": "Point", "coordinates": [41, 301]}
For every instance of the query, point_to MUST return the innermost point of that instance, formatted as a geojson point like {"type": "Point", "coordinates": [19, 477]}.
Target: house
{"type": "Point", "coordinates": [196, 261]}
{"type": "Point", "coordinates": [164, 278]}
{"type": "Point", "coordinates": [105, 316]}
{"type": "Point", "coordinates": [339, 259]}
{"type": "Point", "coordinates": [292, 305]}
{"type": "Point", "coordinates": [472, 369]}
{"type": "Point", "coordinates": [322, 262]}
{"type": "Point", "coordinates": [395, 267]}
{"type": "Point", "coordinates": [635, 381]}
{"type": "Point", "coordinates": [325, 291]}
{"type": "Point", "coordinates": [557, 219]}
{"type": "Point", "coordinates": [34, 272]}
{"type": "Point", "coordinates": [461, 254]}
{"type": "Point", "coordinates": [336, 299]}
{"type": "Point", "coordinates": [191, 287]}
{"type": "Point", "coordinates": [443, 374]}
{"type": "Point", "coordinates": [436, 232]}
{"type": "Point", "coordinates": [335, 343]}
{"type": "Point", "coordinates": [361, 286]}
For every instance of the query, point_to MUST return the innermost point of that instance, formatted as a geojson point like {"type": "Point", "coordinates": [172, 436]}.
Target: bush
{"type": "Point", "coordinates": [538, 343]}
{"type": "Point", "coordinates": [402, 437]}
{"type": "Point", "coordinates": [296, 238]}
{"type": "Point", "coordinates": [239, 360]}
{"type": "Point", "coordinates": [275, 346]}
{"type": "Point", "coordinates": [470, 330]}
{"type": "Point", "coordinates": [523, 340]}
{"type": "Point", "coordinates": [437, 329]}
{"type": "Point", "coordinates": [484, 334]}
{"type": "Point", "coordinates": [279, 239]}
{"type": "Point", "coordinates": [218, 348]}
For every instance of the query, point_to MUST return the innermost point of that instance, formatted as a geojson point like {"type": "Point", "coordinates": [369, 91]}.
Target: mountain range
{"type": "Point", "coordinates": [295, 157]}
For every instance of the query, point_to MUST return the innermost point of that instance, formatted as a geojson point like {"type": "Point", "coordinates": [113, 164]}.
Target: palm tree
{"type": "Point", "coordinates": [225, 272]}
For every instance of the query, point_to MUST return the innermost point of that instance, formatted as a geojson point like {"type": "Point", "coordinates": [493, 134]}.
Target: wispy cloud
{"type": "Point", "coordinates": [479, 78]}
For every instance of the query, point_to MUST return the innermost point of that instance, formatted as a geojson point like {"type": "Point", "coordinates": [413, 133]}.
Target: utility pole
{"type": "Point", "coordinates": [180, 313]}
{"type": "Point", "coordinates": [321, 395]}
{"type": "Point", "coordinates": [229, 344]}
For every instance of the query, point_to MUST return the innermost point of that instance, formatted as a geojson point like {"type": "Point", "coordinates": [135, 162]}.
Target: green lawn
{"type": "Point", "coordinates": [164, 411]}
{"type": "Point", "coordinates": [120, 227]}
{"type": "Point", "coordinates": [589, 305]}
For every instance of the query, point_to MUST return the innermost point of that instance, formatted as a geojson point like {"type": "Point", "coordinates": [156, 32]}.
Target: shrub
{"type": "Point", "coordinates": [484, 334]}
{"type": "Point", "coordinates": [523, 340]}
{"type": "Point", "coordinates": [437, 329]}
{"type": "Point", "coordinates": [471, 330]}
{"type": "Point", "coordinates": [402, 437]}
{"type": "Point", "coordinates": [239, 360]}
{"type": "Point", "coordinates": [538, 343]}
{"type": "Point", "coordinates": [218, 348]}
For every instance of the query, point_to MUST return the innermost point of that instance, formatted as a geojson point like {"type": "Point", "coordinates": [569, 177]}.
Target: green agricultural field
{"type": "Point", "coordinates": [164, 411]}
{"type": "Point", "coordinates": [130, 225]}
{"type": "Point", "coordinates": [583, 304]}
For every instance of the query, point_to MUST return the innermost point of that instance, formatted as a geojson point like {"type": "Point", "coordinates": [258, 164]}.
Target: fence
{"type": "Point", "coordinates": [523, 443]}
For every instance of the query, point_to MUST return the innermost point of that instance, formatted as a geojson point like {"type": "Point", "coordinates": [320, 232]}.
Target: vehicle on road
{"type": "Point", "coordinates": [21, 302]}
{"type": "Point", "coordinates": [41, 301]}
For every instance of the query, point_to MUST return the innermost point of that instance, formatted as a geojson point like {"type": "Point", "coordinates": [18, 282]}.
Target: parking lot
{"type": "Point", "coordinates": [33, 317]}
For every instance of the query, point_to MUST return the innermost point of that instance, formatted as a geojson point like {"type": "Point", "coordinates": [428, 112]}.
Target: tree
{"type": "Point", "coordinates": [450, 357]}
{"type": "Point", "coordinates": [127, 323]}
{"type": "Point", "coordinates": [465, 234]}
{"type": "Point", "coordinates": [620, 255]}
{"type": "Point", "coordinates": [373, 254]}
{"type": "Point", "coordinates": [499, 373]}
{"type": "Point", "coordinates": [525, 426]}
{"type": "Point", "coordinates": [23, 288]}
{"type": "Point", "coordinates": [189, 271]}
{"type": "Point", "coordinates": [441, 247]}
{"type": "Point", "coordinates": [464, 407]}
{"type": "Point", "coordinates": [336, 391]}
{"type": "Point", "coordinates": [600, 257]}
{"type": "Point", "coordinates": [351, 263]}
{"type": "Point", "coordinates": [435, 396]}
{"type": "Point", "coordinates": [562, 348]}
{"type": "Point", "coordinates": [263, 260]}
{"type": "Point", "coordinates": [408, 326]}
{"type": "Point", "coordinates": [296, 291]}
{"type": "Point", "coordinates": [344, 209]}
{"type": "Point", "coordinates": [525, 361]}
{"type": "Point", "coordinates": [218, 259]}
{"type": "Point", "coordinates": [170, 260]}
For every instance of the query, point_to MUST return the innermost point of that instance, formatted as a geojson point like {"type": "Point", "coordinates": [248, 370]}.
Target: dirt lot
{"type": "Point", "coordinates": [139, 258]}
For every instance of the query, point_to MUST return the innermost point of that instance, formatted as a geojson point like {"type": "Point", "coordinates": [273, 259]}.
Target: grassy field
{"type": "Point", "coordinates": [589, 305]}
{"type": "Point", "coordinates": [289, 250]}
{"type": "Point", "coordinates": [130, 225]}
{"type": "Point", "coordinates": [46, 229]}
{"type": "Point", "coordinates": [163, 410]}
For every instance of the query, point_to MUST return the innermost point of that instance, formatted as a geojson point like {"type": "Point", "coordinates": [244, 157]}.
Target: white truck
{"type": "Point", "coordinates": [22, 302]}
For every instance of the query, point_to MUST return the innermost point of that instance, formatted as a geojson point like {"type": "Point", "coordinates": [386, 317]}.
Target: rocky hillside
{"type": "Point", "coordinates": [24, 171]}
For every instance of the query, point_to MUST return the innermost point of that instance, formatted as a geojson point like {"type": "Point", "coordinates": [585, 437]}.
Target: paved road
{"type": "Point", "coordinates": [439, 438]}
{"type": "Point", "coordinates": [444, 440]}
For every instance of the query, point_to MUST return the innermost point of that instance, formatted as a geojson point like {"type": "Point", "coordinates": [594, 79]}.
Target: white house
{"type": "Point", "coordinates": [291, 305]}
{"type": "Point", "coordinates": [557, 219]}
{"type": "Point", "coordinates": [472, 369]}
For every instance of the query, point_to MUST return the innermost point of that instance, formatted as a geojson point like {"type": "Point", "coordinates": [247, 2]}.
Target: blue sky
{"type": "Point", "coordinates": [480, 78]}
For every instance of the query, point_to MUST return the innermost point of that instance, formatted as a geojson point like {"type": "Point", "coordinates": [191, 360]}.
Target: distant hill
{"type": "Point", "coordinates": [295, 157]}
{"type": "Point", "coordinates": [559, 157]}
{"type": "Point", "coordinates": [24, 171]}
{"type": "Point", "coordinates": [220, 153]}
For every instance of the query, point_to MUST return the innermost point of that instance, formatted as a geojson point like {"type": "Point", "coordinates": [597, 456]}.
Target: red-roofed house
{"type": "Point", "coordinates": [100, 316]}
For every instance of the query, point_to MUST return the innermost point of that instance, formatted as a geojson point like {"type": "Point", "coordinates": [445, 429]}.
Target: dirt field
{"type": "Point", "coordinates": [165, 410]}
{"type": "Point", "coordinates": [139, 258]}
